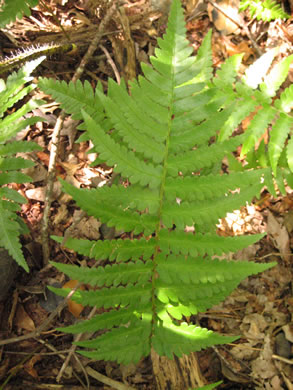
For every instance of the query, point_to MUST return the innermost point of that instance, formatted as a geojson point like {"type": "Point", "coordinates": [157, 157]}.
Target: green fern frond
{"type": "Point", "coordinates": [12, 91]}
{"type": "Point", "coordinates": [12, 9]}
{"type": "Point", "coordinates": [162, 139]}
{"type": "Point", "coordinates": [266, 10]}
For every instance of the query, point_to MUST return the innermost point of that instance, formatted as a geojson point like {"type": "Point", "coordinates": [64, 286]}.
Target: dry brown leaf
{"type": "Point", "coordinates": [263, 367]}
{"type": "Point", "coordinates": [242, 47]}
{"type": "Point", "coordinates": [23, 320]}
{"type": "Point", "coordinates": [74, 307]}
{"type": "Point", "coordinates": [29, 366]}
{"type": "Point", "coordinates": [224, 24]}
{"type": "Point", "coordinates": [280, 236]}
{"type": "Point", "coordinates": [39, 193]}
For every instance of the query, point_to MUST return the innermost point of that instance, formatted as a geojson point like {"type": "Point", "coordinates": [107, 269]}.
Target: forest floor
{"type": "Point", "coordinates": [260, 309]}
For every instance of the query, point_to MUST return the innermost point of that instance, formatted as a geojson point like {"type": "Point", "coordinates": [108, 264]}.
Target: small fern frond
{"type": "Point", "coordinates": [161, 138]}
{"type": "Point", "coordinates": [266, 10]}
{"type": "Point", "coordinates": [12, 9]}
{"type": "Point", "coordinates": [254, 94]}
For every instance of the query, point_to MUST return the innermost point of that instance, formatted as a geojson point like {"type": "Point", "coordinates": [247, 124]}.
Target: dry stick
{"type": "Point", "coordinates": [50, 187]}
{"type": "Point", "coordinates": [241, 26]}
{"type": "Point", "coordinates": [72, 350]}
{"type": "Point", "coordinates": [49, 346]}
{"type": "Point", "coordinates": [57, 131]}
{"type": "Point", "coordinates": [112, 63]}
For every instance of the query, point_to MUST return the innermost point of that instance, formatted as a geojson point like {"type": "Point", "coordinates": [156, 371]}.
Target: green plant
{"type": "Point", "coordinates": [14, 90]}
{"type": "Point", "coordinates": [209, 387]}
{"type": "Point", "coordinates": [160, 137]}
{"type": "Point", "coordinates": [266, 10]}
{"type": "Point", "coordinates": [256, 94]}
{"type": "Point", "coordinates": [12, 9]}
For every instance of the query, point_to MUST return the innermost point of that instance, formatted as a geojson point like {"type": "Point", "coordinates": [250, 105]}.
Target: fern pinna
{"type": "Point", "coordinates": [16, 88]}
{"type": "Point", "coordinates": [158, 137]}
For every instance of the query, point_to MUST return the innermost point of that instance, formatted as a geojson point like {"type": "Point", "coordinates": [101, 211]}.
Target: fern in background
{"type": "Point", "coordinates": [11, 92]}
{"type": "Point", "coordinates": [256, 94]}
{"type": "Point", "coordinates": [266, 10]}
{"type": "Point", "coordinates": [12, 9]}
{"type": "Point", "coordinates": [158, 137]}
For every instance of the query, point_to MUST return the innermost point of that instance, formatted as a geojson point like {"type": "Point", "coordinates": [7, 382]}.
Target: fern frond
{"type": "Point", "coordinates": [161, 138]}
{"type": "Point", "coordinates": [253, 94]}
{"type": "Point", "coordinates": [12, 9]}
{"type": "Point", "coordinates": [11, 226]}
{"type": "Point", "coordinates": [266, 10]}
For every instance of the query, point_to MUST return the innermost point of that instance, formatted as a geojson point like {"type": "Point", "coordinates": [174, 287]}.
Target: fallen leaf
{"type": "Point", "coordinates": [222, 22]}
{"type": "Point", "coordinates": [280, 236]}
{"type": "Point", "coordinates": [74, 307]}
{"type": "Point", "coordinates": [263, 367]}
{"type": "Point", "coordinates": [39, 193]}
{"type": "Point", "coordinates": [29, 366]}
{"type": "Point", "coordinates": [242, 47]}
{"type": "Point", "coordinates": [23, 320]}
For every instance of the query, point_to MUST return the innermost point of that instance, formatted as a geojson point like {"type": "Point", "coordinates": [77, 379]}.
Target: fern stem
{"type": "Point", "coordinates": [161, 200]}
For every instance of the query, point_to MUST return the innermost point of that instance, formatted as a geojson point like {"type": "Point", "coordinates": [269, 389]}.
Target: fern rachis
{"type": "Point", "coordinates": [163, 275]}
